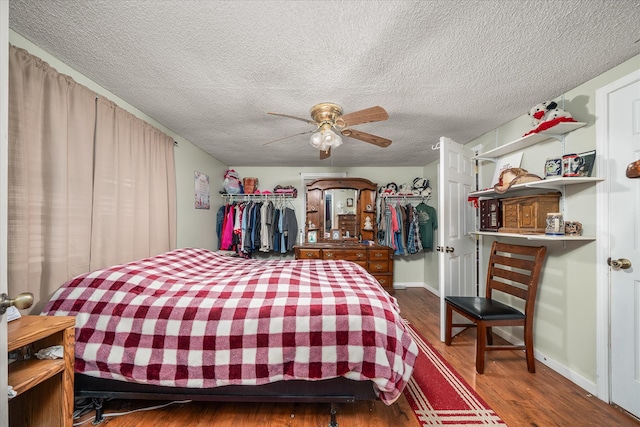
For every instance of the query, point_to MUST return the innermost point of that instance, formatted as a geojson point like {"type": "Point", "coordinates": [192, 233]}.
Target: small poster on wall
{"type": "Point", "coordinates": [202, 190]}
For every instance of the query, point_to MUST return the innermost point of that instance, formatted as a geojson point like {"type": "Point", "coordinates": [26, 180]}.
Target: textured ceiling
{"type": "Point", "coordinates": [211, 70]}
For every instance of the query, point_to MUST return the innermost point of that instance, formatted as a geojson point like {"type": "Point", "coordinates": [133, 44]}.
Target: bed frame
{"type": "Point", "coordinates": [335, 390]}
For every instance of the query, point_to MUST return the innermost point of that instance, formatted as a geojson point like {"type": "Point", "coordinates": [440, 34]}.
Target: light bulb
{"type": "Point", "coordinates": [329, 137]}
{"type": "Point", "coordinates": [316, 140]}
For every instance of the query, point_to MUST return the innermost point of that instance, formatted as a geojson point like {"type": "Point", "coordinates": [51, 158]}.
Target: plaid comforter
{"type": "Point", "coordinates": [195, 318]}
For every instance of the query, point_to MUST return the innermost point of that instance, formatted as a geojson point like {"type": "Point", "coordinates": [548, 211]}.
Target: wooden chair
{"type": "Point", "coordinates": [513, 270]}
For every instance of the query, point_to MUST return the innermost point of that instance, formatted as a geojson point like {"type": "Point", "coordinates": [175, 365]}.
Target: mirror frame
{"type": "Point", "coordinates": [365, 205]}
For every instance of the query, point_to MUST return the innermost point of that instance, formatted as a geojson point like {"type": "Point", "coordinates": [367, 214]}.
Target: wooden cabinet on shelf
{"type": "Point", "coordinates": [521, 217]}
{"type": "Point", "coordinates": [376, 259]}
{"type": "Point", "coordinates": [44, 387]}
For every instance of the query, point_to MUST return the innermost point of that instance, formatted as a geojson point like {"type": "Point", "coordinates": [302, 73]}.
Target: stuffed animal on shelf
{"type": "Point", "coordinates": [391, 189]}
{"type": "Point", "coordinates": [539, 112]}
{"type": "Point", "coordinates": [405, 190]}
{"type": "Point", "coordinates": [420, 187]}
{"type": "Point", "coordinates": [557, 113]}
{"type": "Point", "coordinates": [551, 117]}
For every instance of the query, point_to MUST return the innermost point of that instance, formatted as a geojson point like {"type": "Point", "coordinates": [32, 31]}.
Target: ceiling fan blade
{"type": "Point", "coordinates": [294, 117]}
{"type": "Point", "coordinates": [324, 154]}
{"type": "Point", "coordinates": [290, 136]}
{"type": "Point", "coordinates": [367, 137]}
{"type": "Point", "coordinates": [373, 114]}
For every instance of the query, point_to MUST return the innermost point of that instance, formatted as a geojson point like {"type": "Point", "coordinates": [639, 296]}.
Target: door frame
{"type": "Point", "coordinates": [603, 272]}
{"type": "Point", "coordinates": [4, 198]}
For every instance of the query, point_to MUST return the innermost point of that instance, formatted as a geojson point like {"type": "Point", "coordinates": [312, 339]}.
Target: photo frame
{"type": "Point", "coordinates": [335, 234]}
{"type": "Point", "coordinates": [349, 202]}
{"type": "Point", "coordinates": [312, 236]}
{"type": "Point", "coordinates": [587, 160]}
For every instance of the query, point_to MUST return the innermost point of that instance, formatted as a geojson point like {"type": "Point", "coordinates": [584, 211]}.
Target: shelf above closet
{"type": "Point", "coordinates": [550, 183]}
{"type": "Point", "coordinates": [247, 197]}
{"type": "Point", "coordinates": [526, 141]}
{"type": "Point", "coordinates": [535, 236]}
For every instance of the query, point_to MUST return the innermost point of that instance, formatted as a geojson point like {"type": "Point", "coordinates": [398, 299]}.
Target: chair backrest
{"type": "Point", "coordinates": [515, 270]}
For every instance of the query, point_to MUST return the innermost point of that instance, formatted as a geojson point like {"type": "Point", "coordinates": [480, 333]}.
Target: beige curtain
{"type": "Point", "coordinates": [51, 128]}
{"type": "Point", "coordinates": [134, 189]}
{"type": "Point", "coordinates": [67, 216]}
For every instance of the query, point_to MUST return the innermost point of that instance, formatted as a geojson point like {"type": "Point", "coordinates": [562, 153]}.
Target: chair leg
{"type": "Point", "coordinates": [528, 348]}
{"type": "Point", "coordinates": [448, 325]}
{"type": "Point", "coordinates": [489, 336]}
{"type": "Point", "coordinates": [481, 344]}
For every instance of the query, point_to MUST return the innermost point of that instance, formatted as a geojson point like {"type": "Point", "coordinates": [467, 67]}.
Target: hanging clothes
{"type": "Point", "coordinates": [428, 223]}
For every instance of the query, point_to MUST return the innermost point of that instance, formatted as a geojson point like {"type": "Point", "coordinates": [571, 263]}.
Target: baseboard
{"type": "Point", "coordinates": [405, 285]}
{"type": "Point", "coordinates": [553, 364]}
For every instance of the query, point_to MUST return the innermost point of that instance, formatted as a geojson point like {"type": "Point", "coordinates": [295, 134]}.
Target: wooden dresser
{"type": "Point", "coordinates": [376, 259]}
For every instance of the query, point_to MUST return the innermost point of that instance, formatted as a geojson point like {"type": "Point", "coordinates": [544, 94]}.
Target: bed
{"type": "Point", "coordinates": [192, 323]}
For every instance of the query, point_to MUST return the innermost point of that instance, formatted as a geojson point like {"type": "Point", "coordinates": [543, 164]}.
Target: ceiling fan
{"type": "Point", "coordinates": [327, 116]}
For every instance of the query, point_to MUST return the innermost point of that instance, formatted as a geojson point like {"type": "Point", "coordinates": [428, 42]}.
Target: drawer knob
{"type": "Point", "coordinates": [329, 255]}
{"type": "Point", "coordinates": [360, 255]}
{"type": "Point", "coordinates": [309, 254]}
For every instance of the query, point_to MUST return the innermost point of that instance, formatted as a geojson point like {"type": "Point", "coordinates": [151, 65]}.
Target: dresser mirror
{"type": "Point", "coordinates": [337, 210]}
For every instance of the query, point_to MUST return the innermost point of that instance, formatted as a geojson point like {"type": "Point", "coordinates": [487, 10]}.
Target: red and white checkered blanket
{"type": "Point", "coordinates": [195, 318]}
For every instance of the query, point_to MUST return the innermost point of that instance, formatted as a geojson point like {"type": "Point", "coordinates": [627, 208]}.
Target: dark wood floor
{"type": "Point", "coordinates": [520, 398]}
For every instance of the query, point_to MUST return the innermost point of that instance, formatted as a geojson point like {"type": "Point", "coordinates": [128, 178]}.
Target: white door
{"type": "Point", "coordinates": [456, 219]}
{"type": "Point", "coordinates": [4, 132]}
{"type": "Point", "coordinates": [624, 243]}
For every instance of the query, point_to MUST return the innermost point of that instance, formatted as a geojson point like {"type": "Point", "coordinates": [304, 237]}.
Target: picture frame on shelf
{"type": "Point", "coordinates": [335, 234]}
{"type": "Point", "coordinates": [312, 236]}
{"type": "Point", "coordinates": [587, 160]}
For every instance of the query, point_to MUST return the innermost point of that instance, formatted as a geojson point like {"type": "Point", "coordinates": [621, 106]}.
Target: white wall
{"type": "Point", "coordinates": [565, 321]}
{"type": "Point", "coordinates": [195, 227]}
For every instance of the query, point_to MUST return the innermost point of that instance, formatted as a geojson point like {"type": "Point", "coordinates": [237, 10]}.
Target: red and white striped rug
{"type": "Point", "coordinates": [439, 396]}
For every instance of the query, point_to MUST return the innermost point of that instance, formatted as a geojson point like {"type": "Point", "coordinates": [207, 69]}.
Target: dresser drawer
{"type": "Point", "coordinates": [379, 255]}
{"type": "Point", "coordinates": [307, 253]}
{"type": "Point", "coordinates": [378, 267]}
{"type": "Point", "coordinates": [345, 254]}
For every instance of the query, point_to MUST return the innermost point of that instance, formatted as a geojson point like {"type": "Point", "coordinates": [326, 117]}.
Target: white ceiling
{"type": "Point", "coordinates": [211, 70]}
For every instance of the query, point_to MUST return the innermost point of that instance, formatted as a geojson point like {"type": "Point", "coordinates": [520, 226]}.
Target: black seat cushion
{"type": "Point", "coordinates": [485, 309]}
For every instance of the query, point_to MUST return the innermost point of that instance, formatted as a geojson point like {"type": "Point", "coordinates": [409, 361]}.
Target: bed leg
{"type": "Point", "coordinates": [97, 405]}
{"type": "Point", "coordinates": [333, 422]}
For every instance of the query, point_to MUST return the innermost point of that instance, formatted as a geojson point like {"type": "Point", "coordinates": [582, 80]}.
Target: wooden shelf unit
{"type": "Point", "coordinates": [44, 387]}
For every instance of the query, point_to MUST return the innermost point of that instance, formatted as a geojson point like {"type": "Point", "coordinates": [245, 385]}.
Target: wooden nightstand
{"type": "Point", "coordinates": [44, 387]}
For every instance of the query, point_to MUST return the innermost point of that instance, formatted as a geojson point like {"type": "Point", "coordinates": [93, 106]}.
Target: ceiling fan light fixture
{"type": "Point", "coordinates": [325, 138]}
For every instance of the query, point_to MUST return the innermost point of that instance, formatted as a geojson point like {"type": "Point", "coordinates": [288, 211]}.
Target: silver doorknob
{"type": "Point", "coordinates": [621, 263]}
{"type": "Point", "coordinates": [20, 302]}
{"type": "Point", "coordinates": [449, 250]}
